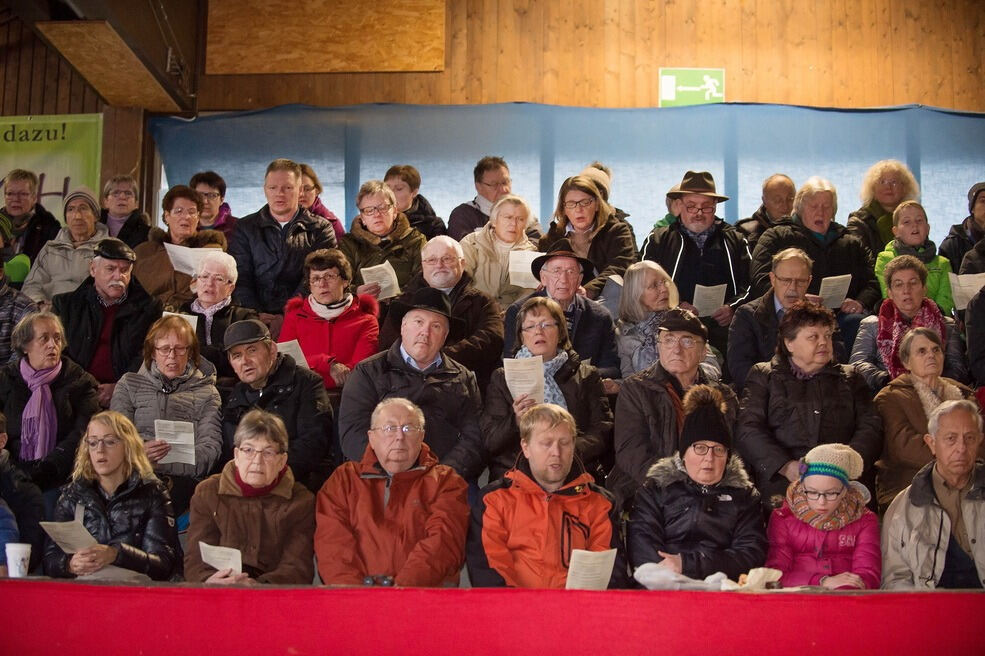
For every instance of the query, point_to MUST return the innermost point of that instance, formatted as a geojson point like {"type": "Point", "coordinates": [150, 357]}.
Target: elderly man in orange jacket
{"type": "Point", "coordinates": [396, 517]}
{"type": "Point", "coordinates": [526, 524]}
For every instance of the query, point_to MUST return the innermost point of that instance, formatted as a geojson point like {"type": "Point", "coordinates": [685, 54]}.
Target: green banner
{"type": "Point", "coordinates": [691, 86]}
{"type": "Point", "coordinates": [64, 150]}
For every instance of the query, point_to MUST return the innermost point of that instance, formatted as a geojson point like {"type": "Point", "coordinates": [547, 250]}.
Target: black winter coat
{"type": "Point", "coordinates": [863, 223]}
{"type": "Point", "coordinates": [781, 418]}
{"type": "Point", "coordinates": [612, 250]}
{"type": "Point", "coordinates": [270, 259]}
{"type": "Point", "coordinates": [974, 260]}
{"type": "Point", "coordinates": [724, 259]}
{"type": "Point", "coordinates": [647, 425]}
{"type": "Point", "coordinates": [974, 321]}
{"type": "Point", "coordinates": [753, 227]}
{"type": "Point", "coordinates": [297, 395]}
{"type": "Point", "coordinates": [477, 346]}
{"type": "Point", "coordinates": [82, 316]}
{"type": "Point", "coordinates": [448, 396]}
{"type": "Point", "coordinates": [592, 333]}
{"type": "Point", "coordinates": [135, 229]}
{"type": "Point", "coordinates": [75, 399]}
{"type": "Point", "coordinates": [581, 386]}
{"type": "Point", "coordinates": [423, 218]}
{"type": "Point", "coordinates": [845, 254]}
{"type": "Point", "coordinates": [24, 499]}
{"type": "Point", "coordinates": [214, 352]}
{"type": "Point", "coordinates": [957, 243]}
{"type": "Point", "coordinates": [42, 228]}
{"type": "Point", "coordinates": [137, 519]}
{"type": "Point", "coordinates": [714, 528]}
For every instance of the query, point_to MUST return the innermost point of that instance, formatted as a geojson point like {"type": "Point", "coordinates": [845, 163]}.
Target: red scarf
{"type": "Point", "coordinates": [250, 491]}
{"type": "Point", "coordinates": [893, 325]}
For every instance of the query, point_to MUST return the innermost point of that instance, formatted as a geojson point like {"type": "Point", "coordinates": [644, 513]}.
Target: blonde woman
{"type": "Point", "coordinates": [487, 250]}
{"type": "Point", "coordinates": [887, 183]}
{"type": "Point", "coordinates": [124, 507]}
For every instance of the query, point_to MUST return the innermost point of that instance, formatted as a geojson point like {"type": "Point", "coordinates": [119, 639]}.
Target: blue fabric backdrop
{"type": "Point", "coordinates": [648, 150]}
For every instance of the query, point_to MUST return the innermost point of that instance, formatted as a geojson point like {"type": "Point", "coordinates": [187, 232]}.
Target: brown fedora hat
{"type": "Point", "coordinates": [697, 182]}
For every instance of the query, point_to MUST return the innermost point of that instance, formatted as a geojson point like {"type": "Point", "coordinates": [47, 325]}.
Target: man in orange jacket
{"type": "Point", "coordinates": [526, 524]}
{"type": "Point", "coordinates": [396, 517]}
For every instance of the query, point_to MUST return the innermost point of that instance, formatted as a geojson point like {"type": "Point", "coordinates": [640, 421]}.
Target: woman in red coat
{"type": "Point", "coordinates": [824, 535]}
{"type": "Point", "coordinates": [335, 329]}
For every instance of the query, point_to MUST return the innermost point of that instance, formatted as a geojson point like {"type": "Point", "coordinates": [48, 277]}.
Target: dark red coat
{"type": "Point", "coordinates": [349, 338]}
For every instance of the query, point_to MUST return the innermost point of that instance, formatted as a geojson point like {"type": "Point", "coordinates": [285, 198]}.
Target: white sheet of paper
{"type": "Point", "coordinates": [525, 376]}
{"type": "Point", "coordinates": [520, 274]}
{"type": "Point", "coordinates": [293, 349]}
{"type": "Point", "coordinates": [964, 288]}
{"type": "Point", "coordinates": [186, 259]}
{"type": "Point", "coordinates": [181, 436]}
{"type": "Point", "coordinates": [222, 557]}
{"type": "Point", "coordinates": [834, 290]}
{"type": "Point", "coordinates": [708, 299]}
{"type": "Point", "coordinates": [71, 537]}
{"type": "Point", "coordinates": [192, 319]}
{"type": "Point", "coordinates": [590, 570]}
{"type": "Point", "coordinates": [385, 277]}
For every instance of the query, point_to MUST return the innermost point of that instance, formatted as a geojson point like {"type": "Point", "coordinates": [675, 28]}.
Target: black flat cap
{"type": "Point", "coordinates": [244, 332]}
{"type": "Point", "coordinates": [112, 248]}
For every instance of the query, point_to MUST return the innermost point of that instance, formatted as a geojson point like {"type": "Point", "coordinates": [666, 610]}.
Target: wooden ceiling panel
{"type": "Point", "coordinates": [324, 36]}
{"type": "Point", "coordinates": [100, 55]}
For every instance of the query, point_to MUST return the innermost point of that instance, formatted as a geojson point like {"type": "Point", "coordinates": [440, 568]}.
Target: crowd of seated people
{"type": "Point", "coordinates": [469, 418]}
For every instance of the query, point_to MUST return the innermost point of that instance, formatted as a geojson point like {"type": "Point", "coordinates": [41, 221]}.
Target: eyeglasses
{"type": "Point", "coordinates": [209, 195]}
{"type": "Point", "coordinates": [703, 449]}
{"type": "Point", "coordinates": [699, 209]}
{"type": "Point", "coordinates": [165, 351]}
{"type": "Point", "coordinates": [557, 271]}
{"type": "Point", "coordinates": [265, 454]}
{"type": "Point", "coordinates": [890, 182]}
{"type": "Point", "coordinates": [308, 189]}
{"type": "Point", "coordinates": [572, 204]}
{"type": "Point", "coordinates": [406, 429]}
{"type": "Point", "coordinates": [105, 442]}
{"type": "Point", "coordinates": [899, 285]}
{"type": "Point", "coordinates": [181, 211]}
{"type": "Point", "coordinates": [543, 325]}
{"type": "Point", "coordinates": [814, 495]}
{"type": "Point", "coordinates": [207, 277]}
{"type": "Point", "coordinates": [447, 260]}
{"type": "Point", "coordinates": [17, 194]}
{"type": "Point", "coordinates": [319, 279]}
{"type": "Point", "coordinates": [505, 182]}
{"type": "Point", "coordinates": [373, 211]}
{"type": "Point", "coordinates": [670, 341]}
{"type": "Point", "coordinates": [792, 282]}
{"type": "Point", "coordinates": [122, 193]}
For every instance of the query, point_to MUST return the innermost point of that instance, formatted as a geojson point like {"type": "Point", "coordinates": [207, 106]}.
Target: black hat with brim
{"type": "Point", "coordinates": [430, 300]}
{"type": "Point", "coordinates": [562, 248]}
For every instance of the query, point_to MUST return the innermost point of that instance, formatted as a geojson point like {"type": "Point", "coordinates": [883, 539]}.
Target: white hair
{"type": "Point", "coordinates": [948, 407]}
{"type": "Point", "coordinates": [447, 242]}
{"type": "Point", "coordinates": [224, 260]}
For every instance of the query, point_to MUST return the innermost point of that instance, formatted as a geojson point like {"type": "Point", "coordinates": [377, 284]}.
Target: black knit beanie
{"type": "Point", "coordinates": [704, 418]}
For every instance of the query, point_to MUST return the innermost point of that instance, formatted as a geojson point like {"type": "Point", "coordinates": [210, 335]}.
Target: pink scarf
{"type": "Point", "coordinates": [893, 325]}
{"type": "Point", "coordinates": [38, 421]}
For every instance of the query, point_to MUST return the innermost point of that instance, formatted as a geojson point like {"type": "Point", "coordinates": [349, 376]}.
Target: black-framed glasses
{"type": "Point", "coordinates": [702, 449]}
{"type": "Point", "coordinates": [265, 454]}
{"type": "Point", "coordinates": [572, 204]}
{"type": "Point", "coordinates": [814, 495]}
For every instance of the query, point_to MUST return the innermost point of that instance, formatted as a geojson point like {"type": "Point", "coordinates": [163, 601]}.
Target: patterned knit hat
{"type": "Point", "coordinates": [836, 460]}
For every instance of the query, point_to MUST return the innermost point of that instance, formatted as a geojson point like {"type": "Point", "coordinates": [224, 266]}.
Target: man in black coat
{"type": "Point", "coordinates": [590, 326]}
{"type": "Point", "coordinates": [276, 383]}
{"type": "Point", "coordinates": [270, 245]}
{"type": "Point", "coordinates": [778, 195]}
{"type": "Point", "coordinates": [415, 368]}
{"type": "Point", "coordinates": [701, 249]}
{"type": "Point", "coordinates": [107, 317]}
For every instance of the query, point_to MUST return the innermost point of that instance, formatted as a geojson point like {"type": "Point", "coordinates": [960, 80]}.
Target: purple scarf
{"type": "Point", "coordinates": [38, 421]}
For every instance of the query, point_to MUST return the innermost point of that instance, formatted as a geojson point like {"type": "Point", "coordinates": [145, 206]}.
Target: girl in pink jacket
{"type": "Point", "coordinates": [824, 535]}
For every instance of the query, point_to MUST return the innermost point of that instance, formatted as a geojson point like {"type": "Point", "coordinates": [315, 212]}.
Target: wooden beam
{"type": "Point", "coordinates": [100, 55]}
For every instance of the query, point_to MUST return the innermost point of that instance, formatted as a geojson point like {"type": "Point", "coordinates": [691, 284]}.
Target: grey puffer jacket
{"type": "Point", "coordinates": [141, 397]}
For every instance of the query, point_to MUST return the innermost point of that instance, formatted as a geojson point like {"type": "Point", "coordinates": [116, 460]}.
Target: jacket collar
{"type": "Point", "coordinates": [669, 470]}
{"type": "Point", "coordinates": [576, 483]}
{"type": "Point", "coordinates": [922, 487]}
{"type": "Point", "coordinates": [396, 361]}
{"type": "Point", "coordinates": [370, 467]}
{"type": "Point", "coordinates": [229, 487]}
{"type": "Point", "coordinates": [401, 228]}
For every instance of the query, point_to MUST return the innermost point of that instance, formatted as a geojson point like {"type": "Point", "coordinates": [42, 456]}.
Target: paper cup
{"type": "Point", "coordinates": [18, 557]}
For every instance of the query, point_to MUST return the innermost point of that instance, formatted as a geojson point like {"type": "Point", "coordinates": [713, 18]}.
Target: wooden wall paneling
{"type": "Point", "coordinates": [824, 59]}
{"type": "Point", "coordinates": [936, 29]}
{"type": "Point", "coordinates": [65, 74]}
{"type": "Point", "coordinates": [767, 53]}
{"type": "Point", "coordinates": [455, 75]}
{"type": "Point", "coordinates": [520, 51]}
{"type": "Point", "coordinates": [551, 84]}
{"type": "Point", "coordinates": [715, 32]}
{"type": "Point", "coordinates": [611, 51]}
{"type": "Point", "coordinates": [799, 23]}
{"type": "Point", "coordinates": [50, 84]}
{"type": "Point", "coordinates": [5, 50]}
{"type": "Point", "coordinates": [750, 50]}
{"type": "Point", "coordinates": [883, 78]}
{"type": "Point", "coordinates": [843, 48]}
{"type": "Point", "coordinates": [25, 62]}
{"type": "Point", "coordinates": [968, 55]}
{"type": "Point", "coordinates": [532, 55]}
{"type": "Point", "coordinates": [634, 26]}
{"type": "Point", "coordinates": [38, 57]}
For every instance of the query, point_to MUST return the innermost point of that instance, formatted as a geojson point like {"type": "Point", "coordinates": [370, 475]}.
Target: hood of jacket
{"type": "Point", "coordinates": [670, 470]}
{"type": "Point", "coordinates": [199, 376]}
{"type": "Point", "coordinates": [922, 488]}
{"type": "Point", "coordinates": [576, 482]}
{"type": "Point", "coordinates": [401, 228]}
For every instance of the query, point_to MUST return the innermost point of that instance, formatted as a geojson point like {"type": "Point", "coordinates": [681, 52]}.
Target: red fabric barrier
{"type": "Point", "coordinates": [44, 617]}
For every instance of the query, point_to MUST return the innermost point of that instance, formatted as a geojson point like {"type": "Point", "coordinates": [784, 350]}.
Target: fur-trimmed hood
{"type": "Point", "coordinates": [670, 470]}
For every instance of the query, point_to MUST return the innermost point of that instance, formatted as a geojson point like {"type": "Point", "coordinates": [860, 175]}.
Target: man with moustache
{"type": "Point", "coordinates": [415, 368]}
{"type": "Point", "coordinates": [752, 335]}
{"type": "Point", "coordinates": [270, 245]}
{"type": "Point", "coordinates": [478, 346]}
{"type": "Point", "coordinates": [107, 317]}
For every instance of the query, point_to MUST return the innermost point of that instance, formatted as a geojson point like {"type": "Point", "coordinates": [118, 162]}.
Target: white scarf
{"type": "Point", "coordinates": [332, 310]}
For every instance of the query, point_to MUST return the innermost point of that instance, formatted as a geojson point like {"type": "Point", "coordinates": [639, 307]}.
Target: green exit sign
{"type": "Point", "coordinates": [691, 86]}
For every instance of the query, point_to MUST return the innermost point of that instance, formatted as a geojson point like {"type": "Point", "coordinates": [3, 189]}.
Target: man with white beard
{"type": "Point", "coordinates": [107, 317]}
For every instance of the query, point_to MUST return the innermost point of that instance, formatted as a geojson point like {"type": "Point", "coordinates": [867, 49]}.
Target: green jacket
{"type": "Point", "coordinates": [938, 283]}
